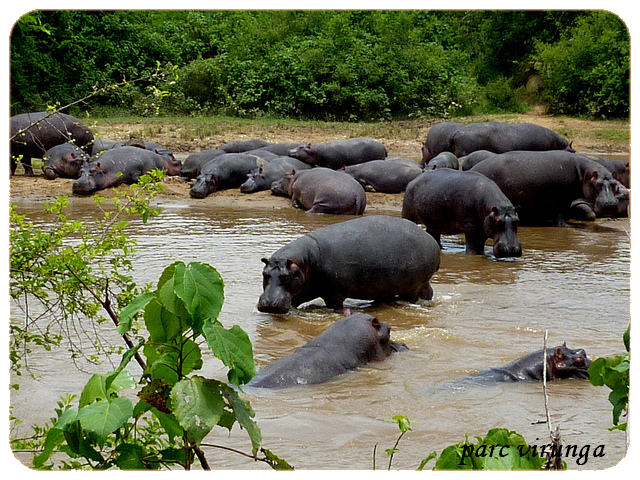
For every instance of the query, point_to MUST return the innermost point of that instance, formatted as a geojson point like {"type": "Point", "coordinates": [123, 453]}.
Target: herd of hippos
{"type": "Point", "coordinates": [481, 180]}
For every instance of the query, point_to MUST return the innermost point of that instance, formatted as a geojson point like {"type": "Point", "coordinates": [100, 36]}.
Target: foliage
{"type": "Point", "coordinates": [176, 409]}
{"type": "Point", "coordinates": [319, 64]}
{"type": "Point", "coordinates": [614, 373]}
{"type": "Point", "coordinates": [64, 275]}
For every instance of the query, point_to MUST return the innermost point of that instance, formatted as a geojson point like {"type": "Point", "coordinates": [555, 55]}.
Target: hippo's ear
{"type": "Point", "coordinates": [375, 323]}
{"type": "Point", "coordinates": [559, 355]}
{"type": "Point", "coordinates": [265, 260]}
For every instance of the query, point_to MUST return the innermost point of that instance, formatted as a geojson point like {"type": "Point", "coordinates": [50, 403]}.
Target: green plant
{"type": "Point", "coordinates": [614, 373]}
{"type": "Point", "coordinates": [176, 409]}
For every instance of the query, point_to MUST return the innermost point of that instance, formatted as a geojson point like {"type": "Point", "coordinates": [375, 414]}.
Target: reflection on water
{"type": "Point", "coordinates": [572, 281]}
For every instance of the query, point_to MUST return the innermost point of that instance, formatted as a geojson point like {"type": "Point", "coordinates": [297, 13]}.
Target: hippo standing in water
{"type": "Point", "coordinates": [340, 153]}
{"type": "Point", "coordinates": [545, 184]}
{"type": "Point", "coordinates": [376, 257]}
{"type": "Point", "coordinates": [65, 160]}
{"type": "Point", "coordinates": [384, 176]}
{"type": "Point", "coordinates": [121, 165]}
{"type": "Point", "coordinates": [224, 172]}
{"type": "Point", "coordinates": [32, 134]}
{"type": "Point", "coordinates": [562, 363]}
{"type": "Point", "coordinates": [323, 190]}
{"type": "Point", "coordinates": [449, 202]}
{"type": "Point", "coordinates": [349, 343]}
{"type": "Point", "coordinates": [274, 171]}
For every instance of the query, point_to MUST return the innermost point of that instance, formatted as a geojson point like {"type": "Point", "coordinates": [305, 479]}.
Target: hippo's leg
{"type": "Point", "coordinates": [426, 291]}
{"type": "Point", "coordinates": [333, 302]}
{"type": "Point", "coordinates": [436, 236]}
{"type": "Point", "coordinates": [28, 169]}
{"type": "Point", "coordinates": [474, 242]}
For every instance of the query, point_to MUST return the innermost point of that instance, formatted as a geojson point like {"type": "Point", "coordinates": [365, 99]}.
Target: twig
{"type": "Point", "coordinates": [544, 383]}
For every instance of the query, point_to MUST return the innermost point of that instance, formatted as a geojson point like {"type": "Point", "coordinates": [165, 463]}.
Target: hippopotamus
{"type": "Point", "coordinates": [544, 184]}
{"type": "Point", "coordinates": [121, 165]}
{"type": "Point", "coordinates": [375, 257]}
{"type": "Point", "coordinates": [104, 144]}
{"type": "Point", "coordinates": [384, 176]}
{"type": "Point", "coordinates": [438, 140]}
{"type": "Point", "coordinates": [241, 146]}
{"type": "Point", "coordinates": [505, 137]}
{"type": "Point", "coordinates": [282, 149]}
{"type": "Point", "coordinates": [64, 160]}
{"type": "Point", "coordinates": [193, 163]}
{"type": "Point", "coordinates": [224, 172]}
{"type": "Point", "coordinates": [469, 161]}
{"type": "Point", "coordinates": [100, 145]}
{"type": "Point", "coordinates": [349, 343]}
{"type": "Point", "coordinates": [450, 201]}
{"type": "Point", "coordinates": [323, 190]}
{"type": "Point", "coordinates": [32, 134]}
{"type": "Point", "coordinates": [562, 363]}
{"type": "Point", "coordinates": [581, 209]}
{"type": "Point", "coordinates": [443, 160]}
{"type": "Point", "coordinates": [274, 171]}
{"type": "Point", "coordinates": [620, 169]}
{"type": "Point", "coordinates": [339, 153]}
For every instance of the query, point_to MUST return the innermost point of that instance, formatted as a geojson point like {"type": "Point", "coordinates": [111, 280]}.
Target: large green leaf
{"type": "Point", "coordinates": [198, 405]}
{"type": "Point", "coordinates": [162, 325]}
{"type": "Point", "coordinates": [102, 386]}
{"type": "Point", "coordinates": [105, 417]}
{"type": "Point", "coordinates": [128, 312]}
{"type": "Point", "coordinates": [234, 348]}
{"type": "Point", "coordinates": [244, 415]}
{"type": "Point", "coordinates": [166, 291]}
{"type": "Point", "coordinates": [201, 288]}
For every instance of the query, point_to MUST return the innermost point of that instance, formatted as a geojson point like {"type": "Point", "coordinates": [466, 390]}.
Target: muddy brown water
{"type": "Point", "coordinates": [573, 282]}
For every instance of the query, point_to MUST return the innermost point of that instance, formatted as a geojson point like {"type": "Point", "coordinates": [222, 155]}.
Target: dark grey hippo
{"type": "Point", "coordinates": [438, 140]}
{"type": "Point", "coordinates": [620, 169]}
{"type": "Point", "coordinates": [193, 163]}
{"type": "Point", "coordinates": [384, 176]}
{"type": "Point", "coordinates": [123, 165]}
{"type": "Point", "coordinates": [104, 144]}
{"type": "Point", "coordinates": [323, 190]}
{"type": "Point", "coordinates": [282, 149]}
{"type": "Point", "coordinates": [469, 161]}
{"type": "Point", "coordinates": [241, 146]}
{"type": "Point", "coordinates": [376, 257]}
{"type": "Point", "coordinates": [274, 171]}
{"type": "Point", "coordinates": [583, 210]}
{"type": "Point", "coordinates": [339, 153]}
{"type": "Point", "coordinates": [32, 134]}
{"type": "Point", "coordinates": [224, 172]}
{"type": "Point", "coordinates": [449, 202]}
{"type": "Point", "coordinates": [65, 160]}
{"type": "Point", "coordinates": [562, 363]}
{"type": "Point", "coordinates": [543, 185]}
{"type": "Point", "coordinates": [443, 160]}
{"type": "Point", "coordinates": [505, 137]}
{"type": "Point", "coordinates": [349, 343]}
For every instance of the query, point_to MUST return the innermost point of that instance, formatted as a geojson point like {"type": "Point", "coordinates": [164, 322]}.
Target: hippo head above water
{"type": "Point", "coordinates": [282, 280]}
{"type": "Point", "coordinates": [599, 188]}
{"type": "Point", "coordinates": [568, 363]}
{"type": "Point", "coordinates": [501, 224]}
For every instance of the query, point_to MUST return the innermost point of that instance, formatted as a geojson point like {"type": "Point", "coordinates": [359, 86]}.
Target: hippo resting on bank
{"type": "Point", "coordinates": [323, 190]}
{"type": "Point", "coordinates": [376, 257]}
{"type": "Point", "coordinates": [562, 363]}
{"type": "Point", "coordinates": [544, 184]}
{"type": "Point", "coordinates": [469, 161]}
{"type": "Point", "coordinates": [64, 160]}
{"type": "Point", "coordinates": [349, 343]}
{"type": "Point", "coordinates": [340, 153]}
{"type": "Point", "coordinates": [449, 202]}
{"type": "Point", "coordinates": [384, 176]}
{"type": "Point", "coordinates": [241, 146]}
{"type": "Point", "coordinates": [104, 144]}
{"type": "Point", "coordinates": [224, 172]}
{"type": "Point", "coordinates": [620, 169]}
{"type": "Point", "coordinates": [193, 163]}
{"type": "Point", "coordinates": [121, 165]}
{"type": "Point", "coordinates": [274, 171]}
{"type": "Point", "coordinates": [32, 134]}
{"type": "Point", "coordinates": [443, 160]}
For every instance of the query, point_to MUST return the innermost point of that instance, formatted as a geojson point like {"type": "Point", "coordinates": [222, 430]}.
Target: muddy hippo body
{"type": "Point", "coordinates": [65, 161]}
{"type": "Point", "coordinates": [193, 163]}
{"type": "Point", "coordinates": [323, 190]}
{"type": "Point", "coordinates": [438, 140]}
{"type": "Point", "coordinates": [349, 343]}
{"type": "Point", "coordinates": [504, 137]}
{"type": "Point", "coordinates": [562, 363]}
{"type": "Point", "coordinates": [469, 161]}
{"type": "Point", "coordinates": [443, 160]}
{"type": "Point", "coordinates": [117, 166]}
{"type": "Point", "coordinates": [449, 202]}
{"type": "Point", "coordinates": [242, 146]}
{"type": "Point", "coordinates": [274, 171]}
{"type": "Point", "coordinates": [384, 176]}
{"type": "Point", "coordinates": [32, 134]}
{"type": "Point", "coordinates": [340, 153]}
{"type": "Point", "coordinates": [370, 258]}
{"type": "Point", "coordinates": [224, 172]}
{"type": "Point", "coordinates": [544, 184]}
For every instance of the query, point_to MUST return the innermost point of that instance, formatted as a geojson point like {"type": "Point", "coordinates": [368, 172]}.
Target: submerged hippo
{"type": "Point", "coordinates": [371, 258]}
{"type": "Point", "coordinates": [274, 171]}
{"type": "Point", "coordinates": [384, 176]}
{"type": "Point", "coordinates": [443, 160]}
{"type": "Point", "coordinates": [449, 202]}
{"type": "Point", "coordinates": [349, 343]}
{"type": "Point", "coordinates": [544, 184]}
{"type": "Point", "coordinates": [65, 160]}
{"type": "Point", "coordinates": [323, 190]}
{"type": "Point", "coordinates": [224, 172]}
{"type": "Point", "coordinates": [121, 165]}
{"type": "Point", "coordinates": [32, 134]}
{"type": "Point", "coordinates": [562, 363]}
{"type": "Point", "coordinates": [339, 153]}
